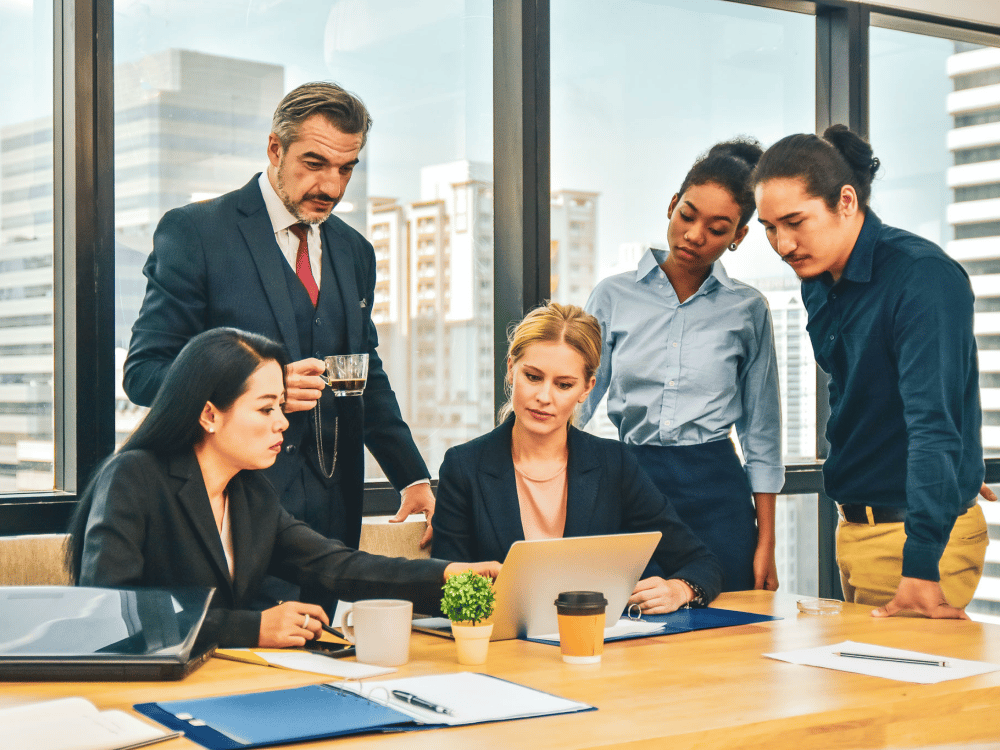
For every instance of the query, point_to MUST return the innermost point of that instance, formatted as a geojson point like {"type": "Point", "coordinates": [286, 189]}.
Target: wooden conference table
{"type": "Point", "coordinates": [708, 689]}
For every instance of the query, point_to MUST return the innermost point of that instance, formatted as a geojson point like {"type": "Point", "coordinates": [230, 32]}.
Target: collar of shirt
{"type": "Point", "coordinates": [654, 256]}
{"type": "Point", "coordinates": [862, 258]}
{"type": "Point", "coordinates": [281, 219]}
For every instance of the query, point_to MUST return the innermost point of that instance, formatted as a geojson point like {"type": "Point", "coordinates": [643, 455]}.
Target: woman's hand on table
{"type": "Point", "coordinates": [489, 569]}
{"type": "Point", "coordinates": [658, 596]}
{"type": "Point", "coordinates": [291, 624]}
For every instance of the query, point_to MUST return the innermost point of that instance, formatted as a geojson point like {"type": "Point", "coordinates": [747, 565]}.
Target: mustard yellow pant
{"type": "Point", "coordinates": [871, 559]}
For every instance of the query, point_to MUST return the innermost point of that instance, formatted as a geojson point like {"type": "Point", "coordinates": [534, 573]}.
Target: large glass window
{"type": "Point", "coordinates": [26, 242]}
{"type": "Point", "coordinates": [634, 103]}
{"type": "Point", "coordinates": [935, 126]}
{"type": "Point", "coordinates": [194, 98]}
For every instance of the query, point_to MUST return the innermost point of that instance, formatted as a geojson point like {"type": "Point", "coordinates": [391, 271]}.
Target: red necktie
{"type": "Point", "coordinates": [302, 267]}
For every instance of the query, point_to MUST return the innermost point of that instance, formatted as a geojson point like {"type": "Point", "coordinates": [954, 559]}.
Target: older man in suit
{"type": "Point", "coordinates": [271, 258]}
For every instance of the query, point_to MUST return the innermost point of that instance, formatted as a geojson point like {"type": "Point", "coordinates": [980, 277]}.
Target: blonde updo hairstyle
{"type": "Point", "coordinates": [554, 323]}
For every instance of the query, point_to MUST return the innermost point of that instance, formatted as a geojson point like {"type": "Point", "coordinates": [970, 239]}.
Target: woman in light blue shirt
{"type": "Point", "coordinates": [689, 354]}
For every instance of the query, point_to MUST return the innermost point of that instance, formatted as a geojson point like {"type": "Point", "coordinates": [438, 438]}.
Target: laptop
{"type": "Point", "coordinates": [536, 572]}
{"type": "Point", "coordinates": [77, 633]}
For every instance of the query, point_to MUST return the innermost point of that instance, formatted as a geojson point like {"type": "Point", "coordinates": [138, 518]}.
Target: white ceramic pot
{"type": "Point", "coordinates": [472, 641]}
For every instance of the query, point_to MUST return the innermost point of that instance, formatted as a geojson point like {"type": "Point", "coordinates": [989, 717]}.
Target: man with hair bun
{"type": "Point", "coordinates": [891, 321]}
{"type": "Point", "coordinates": [272, 258]}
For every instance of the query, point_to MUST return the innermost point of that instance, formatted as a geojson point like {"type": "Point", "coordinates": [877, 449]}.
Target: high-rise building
{"type": "Point", "coordinates": [188, 126]}
{"type": "Point", "coordinates": [974, 215]}
{"type": "Point", "coordinates": [433, 303]}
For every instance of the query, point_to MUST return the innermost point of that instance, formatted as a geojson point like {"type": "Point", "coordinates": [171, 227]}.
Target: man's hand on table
{"type": "Point", "coordinates": [923, 597]}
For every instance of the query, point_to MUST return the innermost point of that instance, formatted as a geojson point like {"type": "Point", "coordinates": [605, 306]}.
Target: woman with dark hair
{"type": "Point", "coordinates": [182, 504]}
{"type": "Point", "coordinates": [891, 321]}
{"type": "Point", "coordinates": [689, 354]}
{"type": "Point", "coordinates": [537, 477]}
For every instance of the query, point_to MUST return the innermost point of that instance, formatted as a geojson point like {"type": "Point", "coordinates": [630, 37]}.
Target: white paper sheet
{"type": "Point", "coordinates": [74, 724]}
{"type": "Point", "coordinates": [471, 697]}
{"type": "Point", "coordinates": [320, 664]}
{"type": "Point", "coordinates": [825, 656]}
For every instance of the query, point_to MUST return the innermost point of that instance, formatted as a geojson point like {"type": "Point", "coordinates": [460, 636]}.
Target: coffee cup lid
{"type": "Point", "coordinates": [581, 602]}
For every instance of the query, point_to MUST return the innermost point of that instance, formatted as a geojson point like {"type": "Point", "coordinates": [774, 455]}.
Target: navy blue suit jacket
{"type": "Point", "coordinates": [216, 263]}
{"type": "Point", "coordinates": [477, 515]}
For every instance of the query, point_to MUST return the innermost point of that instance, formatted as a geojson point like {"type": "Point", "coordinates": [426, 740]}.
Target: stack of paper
{"type": "Point", "coordinates": [74, 724]}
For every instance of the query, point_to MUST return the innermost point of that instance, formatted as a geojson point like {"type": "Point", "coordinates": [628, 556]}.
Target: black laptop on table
{"type": "Point", "coordinates": [77, 633]}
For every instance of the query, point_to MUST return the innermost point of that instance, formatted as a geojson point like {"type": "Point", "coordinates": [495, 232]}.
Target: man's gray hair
{"type": "Point", "coordinates": [342, 109]}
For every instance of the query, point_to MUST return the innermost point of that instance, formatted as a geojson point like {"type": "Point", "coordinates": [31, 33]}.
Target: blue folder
{"type": "Point", "coordinates": [320, 711]}
{"type": "Point", "coordinates": [684, 621]}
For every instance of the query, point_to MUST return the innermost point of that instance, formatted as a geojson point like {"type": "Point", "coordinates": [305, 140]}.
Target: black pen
{"type": "Point", "coordinates": [415, 701]}
{"type": "Point", "coordinates": [896, 659]}
{"type": "Point", "coordinates": [332, 631]}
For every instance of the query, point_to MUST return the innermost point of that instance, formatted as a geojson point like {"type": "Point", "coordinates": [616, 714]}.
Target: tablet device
{"type": "Point", "coordinates": [536, 572]}
{"type": "Point", "coordinates": [78, 633]}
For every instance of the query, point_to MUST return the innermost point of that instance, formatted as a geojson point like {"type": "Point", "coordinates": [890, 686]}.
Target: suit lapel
{"type": "Point", "coordinates": [499, 488]}
{"type": "Point", "coordinates": [239, 525]}
{"type": "Point", "coordinates": [258, 233]}
{"type": "Point", "coordinates": [341, 261]}
{"type": "Point", "coordinates": [584, 476]}
{"type": "Point", "coordinates": [193, 497]}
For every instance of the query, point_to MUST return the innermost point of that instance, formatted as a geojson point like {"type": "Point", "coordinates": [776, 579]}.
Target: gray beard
{"type": "Point", "coordinates": [293, 208]}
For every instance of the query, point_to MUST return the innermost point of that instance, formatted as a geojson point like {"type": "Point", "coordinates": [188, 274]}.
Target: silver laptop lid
{"type": "Point", "coordinates": [536, 572]}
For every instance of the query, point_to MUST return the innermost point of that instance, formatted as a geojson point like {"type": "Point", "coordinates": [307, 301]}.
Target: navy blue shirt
{"type": "Point", "coordinates": [895, 333]}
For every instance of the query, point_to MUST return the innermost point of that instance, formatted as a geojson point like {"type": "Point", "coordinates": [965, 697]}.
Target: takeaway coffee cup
{"type": "Point", "coordinates": [380, 630]}
{"type": "Point", "coordinates": [581, 626]}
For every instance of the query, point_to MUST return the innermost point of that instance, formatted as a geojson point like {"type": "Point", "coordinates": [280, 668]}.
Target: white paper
{"type": "Point", "coordinates": [624, 626]}
{"type": "Point", "coordinates": [471, 697]}
{"type": "Point", "coordinates": [320, 664]}
{"type": "Point", "coordinates": [73, 724]}
{"type": "Point", "coordinates": [826, 656]}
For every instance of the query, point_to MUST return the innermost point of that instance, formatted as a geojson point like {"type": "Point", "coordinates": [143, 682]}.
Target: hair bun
{"type": "Point", "coordinates": [743, 148]}
{"type": "Point", "coordinates": [855, 150]}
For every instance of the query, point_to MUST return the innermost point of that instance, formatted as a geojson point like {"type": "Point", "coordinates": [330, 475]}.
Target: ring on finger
{"type": "Point", "coordinates": [305, 625]}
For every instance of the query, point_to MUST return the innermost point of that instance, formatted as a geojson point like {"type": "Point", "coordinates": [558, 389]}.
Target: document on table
{"type": "Point", "coordinates": [75, 724]}
{"type": "Point", "coordinates": [471, 697]}
{"type": "Point", "coordinates": [623, 627]}
{"type": "Point", "coordinates": [925, 674]}
{"type": "Point", "coordinates": [305, 661]}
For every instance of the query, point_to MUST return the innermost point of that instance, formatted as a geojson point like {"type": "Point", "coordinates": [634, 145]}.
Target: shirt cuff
{"type": "Point", "coordinates": [764, 478]}
{"type": "Point", "coordinates": [414, 484]}
{"type": "Point", "coordinates": [921, 560]}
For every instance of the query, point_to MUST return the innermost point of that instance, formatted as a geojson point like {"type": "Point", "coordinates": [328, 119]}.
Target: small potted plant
{"type": "Point", "coordinates": [468, 600]}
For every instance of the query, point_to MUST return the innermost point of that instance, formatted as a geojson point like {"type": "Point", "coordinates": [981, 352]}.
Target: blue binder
{"type": "Point", "coordinates": [323, 711]}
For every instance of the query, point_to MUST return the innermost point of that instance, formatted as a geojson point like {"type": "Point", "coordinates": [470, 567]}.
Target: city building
{"type": "Point", "coordinates": [434, 296]}
{"type": "Point", "coordinates": [974, 215]}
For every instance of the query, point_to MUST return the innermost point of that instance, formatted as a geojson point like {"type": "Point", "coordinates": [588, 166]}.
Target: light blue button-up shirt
{"type": "Point", "coordinates": [683, 373]}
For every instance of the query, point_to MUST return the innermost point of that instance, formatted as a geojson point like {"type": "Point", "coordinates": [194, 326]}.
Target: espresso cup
{"type": "Point", "coordinates": [581, 626]}
{"type": "Point", "coordinates": [346, 374]}
{"type": "Point", "coordinates": [380, 630]}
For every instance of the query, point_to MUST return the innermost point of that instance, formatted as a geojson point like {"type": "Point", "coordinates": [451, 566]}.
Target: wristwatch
{"type": "Point", "coordinates": [699, 595]}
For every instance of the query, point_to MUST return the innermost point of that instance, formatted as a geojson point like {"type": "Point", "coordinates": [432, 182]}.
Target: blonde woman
{"type": "Point", "coordinates": [538, 477]}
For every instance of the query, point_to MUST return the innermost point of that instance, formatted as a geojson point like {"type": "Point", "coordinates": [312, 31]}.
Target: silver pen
{"type": "Point", "coordinates": [896, 659]}
{"type": "Point", "coordinates": [413, 700]}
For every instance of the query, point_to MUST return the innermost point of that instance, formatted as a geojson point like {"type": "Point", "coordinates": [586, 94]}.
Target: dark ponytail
{"type": "Point", "coordinates": [825, 164]}
{"type": "Point", "coordinates": [728, 165]}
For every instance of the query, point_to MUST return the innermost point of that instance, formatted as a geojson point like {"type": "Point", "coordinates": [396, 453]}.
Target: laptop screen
{"type": "Point", "coordinates": [73, 621]}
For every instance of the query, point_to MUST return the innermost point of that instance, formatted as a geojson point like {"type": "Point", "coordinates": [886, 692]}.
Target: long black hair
{"type": "Point", "coordinates": [841, 157]}
{"type": "Point", "coordinates": [728, 165]}
{"type": "Point", "coordinates": [214, 366]}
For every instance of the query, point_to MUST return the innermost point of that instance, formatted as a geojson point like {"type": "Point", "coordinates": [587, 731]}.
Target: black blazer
{"type": "Point", "coordinates": [478, 517]}
{"type": "Point", "coordinates": [216, 263]}
{"type": "Point", "coordinates": [151, 525]}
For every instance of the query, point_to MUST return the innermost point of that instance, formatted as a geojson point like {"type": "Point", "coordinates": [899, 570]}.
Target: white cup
{"type": "Point", "coordinates": [380, 630]}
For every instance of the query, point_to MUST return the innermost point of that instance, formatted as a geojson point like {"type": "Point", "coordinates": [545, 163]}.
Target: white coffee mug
{"type": "Point", "coordinates": [380, 630]}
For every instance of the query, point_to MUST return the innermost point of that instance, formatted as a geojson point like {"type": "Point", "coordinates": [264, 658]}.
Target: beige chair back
{"type": "Point", "coordinates": [34, 560]}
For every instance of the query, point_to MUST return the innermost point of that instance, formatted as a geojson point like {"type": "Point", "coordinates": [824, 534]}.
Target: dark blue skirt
{"type": "Point", "coordinates": [708, 488]}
